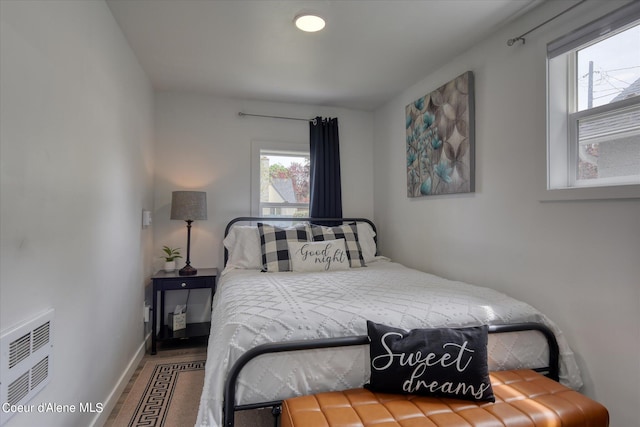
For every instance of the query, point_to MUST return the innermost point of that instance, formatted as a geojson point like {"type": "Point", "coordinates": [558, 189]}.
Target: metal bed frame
{"type": "Point", "coordinates": [230, 407]}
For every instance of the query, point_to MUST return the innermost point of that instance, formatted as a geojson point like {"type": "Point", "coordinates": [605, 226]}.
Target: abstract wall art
{"type": "Point", "coordinates": [440, 140]}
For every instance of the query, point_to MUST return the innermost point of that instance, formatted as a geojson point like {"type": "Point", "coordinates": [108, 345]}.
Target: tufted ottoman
{"type": "Point", "coordinates": [523, 398]}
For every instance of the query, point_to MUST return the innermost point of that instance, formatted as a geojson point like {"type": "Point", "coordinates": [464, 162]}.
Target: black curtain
{"type": "Point", "coordinates": [326, 191]}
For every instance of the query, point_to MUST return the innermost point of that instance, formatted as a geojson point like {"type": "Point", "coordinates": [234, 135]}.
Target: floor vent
{"type": "Point", "coordinates": [26, 356]}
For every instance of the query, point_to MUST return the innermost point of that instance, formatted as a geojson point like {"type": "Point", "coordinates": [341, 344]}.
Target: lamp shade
{"type": "Point", "coordinates": [189, 205]}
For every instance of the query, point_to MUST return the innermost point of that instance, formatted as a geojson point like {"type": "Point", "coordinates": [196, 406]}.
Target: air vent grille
{"type": "Point", "coordinates": [18, 389]}
{"type": "Point", "coordinates": [41, 336]}
{"type": "Point", "coordinates": [19, 350]}
{"type": "Point", "coordinates": [40, 372]}
{"type": "Point", "coordinates": [25, 361]}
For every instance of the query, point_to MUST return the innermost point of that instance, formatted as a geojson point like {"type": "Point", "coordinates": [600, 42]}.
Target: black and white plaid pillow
{"type": "Point", "coordinates": [349, 233]}
{"type": "Point", "coordinates": [274, 243]}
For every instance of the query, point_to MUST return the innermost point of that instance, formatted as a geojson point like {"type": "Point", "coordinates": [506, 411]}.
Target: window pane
{"type": "Point", "coordinates": [284, 180]}
{"type": "Point", "coordinates": [609, 145]}
{"type": "Point", "coordinates": [609, 70]}
{"type": "Point", "coordinates": [284, 211]}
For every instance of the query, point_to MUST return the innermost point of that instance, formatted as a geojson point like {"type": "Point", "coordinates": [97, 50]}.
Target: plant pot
{"type": "Point", "coordinates": [170, 266]}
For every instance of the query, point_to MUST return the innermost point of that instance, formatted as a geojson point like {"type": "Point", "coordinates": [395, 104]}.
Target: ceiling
{"type": "Point", "coordinates": [369, 51]}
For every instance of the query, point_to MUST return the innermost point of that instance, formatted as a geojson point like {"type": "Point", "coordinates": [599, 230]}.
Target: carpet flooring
{"type": "Point", "coordinates": [165, 391]}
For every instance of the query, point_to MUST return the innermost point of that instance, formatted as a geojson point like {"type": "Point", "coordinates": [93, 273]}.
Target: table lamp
{"type": "Point", "coordinates": [188, 206]}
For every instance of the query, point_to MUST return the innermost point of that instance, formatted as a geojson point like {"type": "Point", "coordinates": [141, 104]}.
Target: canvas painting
{"type": "Point", "coordinates": [440, 133]}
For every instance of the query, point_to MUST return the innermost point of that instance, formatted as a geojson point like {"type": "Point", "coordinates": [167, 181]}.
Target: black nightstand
{"type": "Point", "coordinates": [163, 281]}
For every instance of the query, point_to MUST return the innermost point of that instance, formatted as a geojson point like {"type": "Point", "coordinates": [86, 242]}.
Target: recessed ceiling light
{"type": "Point", "coordinates": [309, 22]}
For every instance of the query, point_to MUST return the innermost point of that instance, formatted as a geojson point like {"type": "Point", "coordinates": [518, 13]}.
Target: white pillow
{"type": "Point", "coordinates": [367, 243]}
{"type": "Point", "coordinates": [328, 255]}
{"type": "Point", "coordinates": [243, 244]}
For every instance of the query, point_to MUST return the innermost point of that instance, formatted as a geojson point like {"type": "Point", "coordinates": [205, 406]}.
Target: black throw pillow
{"type": "Point", "coordinates": [443, 362]}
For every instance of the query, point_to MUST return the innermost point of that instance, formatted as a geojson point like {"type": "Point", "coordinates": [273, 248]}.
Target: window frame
{"type": "Point", "coordinates": [283, 148]}
{"type": "Point", "coordinates": [563, 115]}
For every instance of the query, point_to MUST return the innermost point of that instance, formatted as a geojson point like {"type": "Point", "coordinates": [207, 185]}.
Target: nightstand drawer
{"type": "Point", "coordinates": [186, 283]}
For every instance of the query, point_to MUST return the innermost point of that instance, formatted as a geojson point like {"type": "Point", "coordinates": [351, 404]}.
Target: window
{"type": "Point", "coordinates": [280, 179]}
{"type": "Point", "coordinates": [594, 103]}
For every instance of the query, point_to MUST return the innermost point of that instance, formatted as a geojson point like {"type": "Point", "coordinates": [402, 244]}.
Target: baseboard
{"type": "Point", "coordinates": [111, 401]}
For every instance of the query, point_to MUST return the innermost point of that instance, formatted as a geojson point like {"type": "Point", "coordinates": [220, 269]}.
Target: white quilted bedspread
{"type": "Point", "coordinates": [252, 308]}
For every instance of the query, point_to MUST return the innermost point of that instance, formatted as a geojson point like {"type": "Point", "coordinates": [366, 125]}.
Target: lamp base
{"type": "Point", "coordinates": [187, 270]}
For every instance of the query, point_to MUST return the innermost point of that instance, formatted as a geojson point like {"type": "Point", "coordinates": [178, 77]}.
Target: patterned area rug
{"type": "Point", "coordinates": [165, 391]}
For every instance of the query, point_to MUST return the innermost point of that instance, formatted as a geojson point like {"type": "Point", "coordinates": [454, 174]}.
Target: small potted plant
{"type": "Point", "coordinates": [170, 256]}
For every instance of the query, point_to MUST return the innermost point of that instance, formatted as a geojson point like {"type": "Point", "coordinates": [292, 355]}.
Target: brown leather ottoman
{"type": "Point", "coordinates": [523, 398]}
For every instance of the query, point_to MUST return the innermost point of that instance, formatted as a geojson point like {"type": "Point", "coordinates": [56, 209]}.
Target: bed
{"type": "Point", "coordinates": [252, 307]}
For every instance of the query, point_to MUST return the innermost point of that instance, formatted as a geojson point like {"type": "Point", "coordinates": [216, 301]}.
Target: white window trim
{"type": "Point", "coordinates": [256, 148]}
{"type": "Point", "coordinates": [561, 119]}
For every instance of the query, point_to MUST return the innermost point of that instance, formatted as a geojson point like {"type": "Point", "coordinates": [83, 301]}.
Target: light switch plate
{"type": "Point", "coordinates": [146, 218]}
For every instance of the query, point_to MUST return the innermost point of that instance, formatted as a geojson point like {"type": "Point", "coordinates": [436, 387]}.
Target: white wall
{"type": "Point", "coordinates": [76, 171]}
{"type": "Point", "coordinates": [575, 261]}
{"type": "Point", "coordinates": [202, 144]}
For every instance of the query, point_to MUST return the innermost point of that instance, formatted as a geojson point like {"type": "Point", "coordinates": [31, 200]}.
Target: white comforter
{"type": "Point", "coordinates": [252, 308]}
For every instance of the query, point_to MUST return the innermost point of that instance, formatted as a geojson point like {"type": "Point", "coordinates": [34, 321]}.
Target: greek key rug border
{"type": "Point", "coordinates": [154, 404]}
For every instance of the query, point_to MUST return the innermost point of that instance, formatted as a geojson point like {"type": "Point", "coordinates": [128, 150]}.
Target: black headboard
{"type": "Point", "coordinates": [270, 219]}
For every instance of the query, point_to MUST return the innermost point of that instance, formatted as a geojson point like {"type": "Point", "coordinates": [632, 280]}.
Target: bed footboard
{"type": "Point", "coordinates": [229, 406]}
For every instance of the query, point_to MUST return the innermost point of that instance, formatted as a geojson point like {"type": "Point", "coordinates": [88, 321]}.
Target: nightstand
{"type": "Point", "coordinates": [163, 281]}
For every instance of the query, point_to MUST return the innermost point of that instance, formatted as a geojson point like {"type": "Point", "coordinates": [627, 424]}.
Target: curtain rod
{"type": "Point", "coordinates": [512, 41]}
{"type": "Point", "coordinates": [241, 114]}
